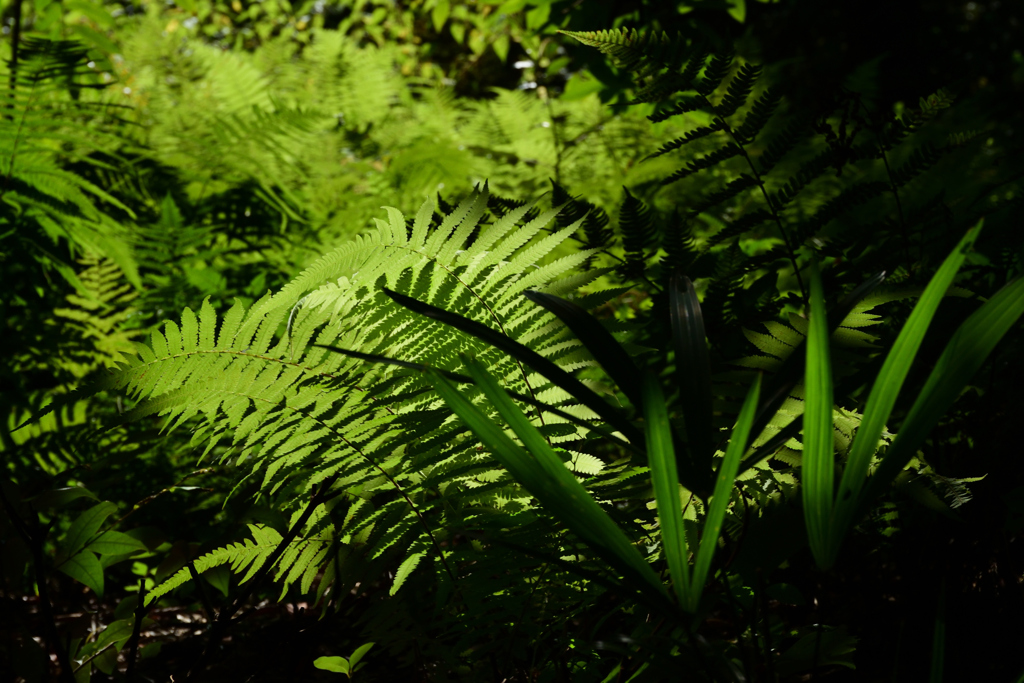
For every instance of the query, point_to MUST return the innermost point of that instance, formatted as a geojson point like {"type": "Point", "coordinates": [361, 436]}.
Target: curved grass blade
{"type": "Point", "coordinates": [819, 458]}
{"type": "Point", "coordinates": [741, 436]}
{"type": "Point", "coordinates": [890, 381]}
{"type": "Point", "coordinates": [693, 369]}
{"type": "Point", "coordinates": [552, 372]}
{"type": "Point", "coordinates": [598, 340]}
{"type": "Point", "coordinates": [792, 371]}
{"type": "Point", "coordinates": [965, 353]}
{"type": "Point", "coordinates": [541, 472]}
{"type": "Point", "coordinates": [665, 478]}
{"type": "Point", "coordinates": [463, 379]}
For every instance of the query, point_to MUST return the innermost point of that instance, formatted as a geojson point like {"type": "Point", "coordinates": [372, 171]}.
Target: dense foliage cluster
{"type": "Point", "coordinates": [471, 343]}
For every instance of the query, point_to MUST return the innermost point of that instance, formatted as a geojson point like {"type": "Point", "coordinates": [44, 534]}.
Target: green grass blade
{"type": "Point", "coordinates": [589, 425]}
{"type": "Point", "coordinates": [544, 475]}
{"type": "Point", "coordinates": [972, 343]}
{"type": "Point", "coordinates": [693, 368]}
{"type": "Point", "coordinates": [741, 436]}
{"type": "Point", "coordinates": [555, 374]}
{"type": "Point", "coordinates": [778, 388]}
{"type": "Point", "coordinates": [662, 460]}
{"type": "Point", "coordinates": [599, 341]}
{"type": "Point", "coordinates": [818, 467]}
{"type": "Point", "coordinates": [890, 381]}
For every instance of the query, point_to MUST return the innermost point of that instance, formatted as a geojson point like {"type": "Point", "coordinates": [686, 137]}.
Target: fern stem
{"type": "Point", "coordinates": [899, 203]}
{"type": "Point", "coordinates": [133, 644]}
{"type": "Point", "coordinates": [767, 200]}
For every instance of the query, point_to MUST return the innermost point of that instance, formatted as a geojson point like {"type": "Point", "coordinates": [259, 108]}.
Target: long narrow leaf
{"type": "Point", "coordinates": [741, 436]}
{"type": "Point", "coordinates": [664, 476]}
{"type": "Point", "coordinates": [890, 381]}
{"type": "Point", "coordinates": [598, 340]}
{"type": "Point", "coordinates": [779, 387]}
{"type": "Point", "coordinates": [544, 475]}
{"type": "Point", "coordinates": [972, 343]}
{"type": "Point", "coordinates": [555, 374]}
{"type": "Point", "coordinates": [818, 459]}
{"type": "Point", "coordinates": [693, 369]}
{"type": "Point", "coordinates": [589, 425]}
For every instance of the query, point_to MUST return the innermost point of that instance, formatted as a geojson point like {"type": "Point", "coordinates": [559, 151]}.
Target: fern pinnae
{"type": "Point", "coordinates": [740, 88]}
{"type": "Point", "coordinates": [715, 72]}
{"type": "Point", "coordinates": [546, 272]}
{"type": "Point", "coordinates": [538, 249]}
{"type": "Point", "coordinates": [478, 206]}
{"type": "Point", "coordinates": [494, 232]}
{"type": "Point", "coordinates": [760, 113]}
{"type": "Point", "coordinates": [288, 408]}
{"type": "Point", "coordinates": [714, 158]}
{"type": "Point", "coordinates": [512, 242]}
{"type": "Point", "coordinates": [471, 206]}
{"type": "Point", "coordinates": [695, 134]}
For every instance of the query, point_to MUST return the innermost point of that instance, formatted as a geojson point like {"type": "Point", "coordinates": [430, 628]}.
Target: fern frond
{"type": "Point", "coordinates": [679, 245]}
{"type": "Point", "coordinates": [629, 48]}
{"type": "Point", "coordinates": [758, 117]}
{"type": "Point", "coordinates": [731, 189]}
{"type": "Point", "coordinates": [695, 134]}
{"type": "Point", "coordinates": [845, 200]}
{"type": "Point", "coordinates": [781, 145]}
{"type": "Point", "coordinates": [637, 228]}
{"type": "Point", "coordinates": [247, 556]}
{"type": "Point", "coordinates": [745, 223]}
{"type": "Point", "coordinates": [921, 159]}
{"type": "Point", "coordinates": [294, 415]}
{"type": "Point", "coordinates": [740, 88]}
{"type": "Point", "coordinates": [715, 73]}
{"type": "Point", "coordinates": [707, 161]}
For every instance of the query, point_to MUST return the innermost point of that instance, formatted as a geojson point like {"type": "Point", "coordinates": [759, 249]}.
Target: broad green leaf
{"type": "Point", "coordinates": [335, 664]}
{"type": "Point", "coordinates": [116, 543]}
{"type": "Point", "coordinates": [360, 652]}
{"type": "Point", "coordinates": [738, 10]}
{"type": "Point", "coordinates": [538, 16]}
{"type": "Point", "coordinates": [219, 578]}
{"type": "Point", "coordinates": [86, 568]}
{"type": "Point", "coordinates": [117, 632]}
{"type": "Point", "coordinates": [500, 47]}
{"type": "Point", "coordinates": [60, 497]}
{"type": "Point", "coordinates": [662, 460]}
{"type": "Point", "coordinates": [544, 475]}
{"type": "Point", "coordinates": [439, 15]}
{"type": "Point", "coordinates": [818, 461]}
{"type": "Point", "coordinates": [83, 528]}
{"type": "Point", "coordinates": [741, 436]}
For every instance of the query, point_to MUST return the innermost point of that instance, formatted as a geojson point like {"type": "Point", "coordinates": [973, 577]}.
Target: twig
{"type": "Point", "coordinates": [35, 543]}
{"type": "Point", "coordinates": [133, 647]}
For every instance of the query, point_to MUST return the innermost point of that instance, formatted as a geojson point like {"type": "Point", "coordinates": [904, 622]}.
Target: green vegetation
{"type": "Point", "coordinates": [473, 343]}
